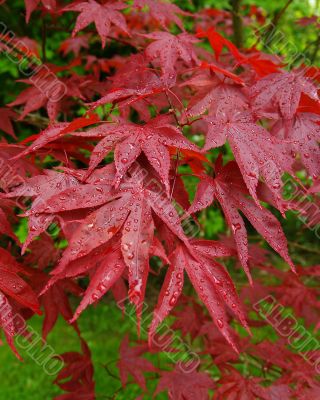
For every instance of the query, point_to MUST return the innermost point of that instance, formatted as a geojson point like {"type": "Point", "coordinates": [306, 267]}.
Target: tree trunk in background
{"type": "Point", "coordinates": [237, 23]}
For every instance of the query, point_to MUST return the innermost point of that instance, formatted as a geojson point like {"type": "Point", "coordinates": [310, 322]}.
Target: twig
{"type": "Point", "coordinates": [106, 367]}
{"type": "Point", "coordinates": [35, 119]}
{"type": "Point", "coordinates": [178, 154]}
{"type": "Point", "coordinates": [316, 49]}
{"type": "Point", "coordinates": [93, 31]}
{"type": "Point", "coordinates": [300, 246]}
{"type": "Point", "coordinates": [175, 175]}
{"type": "Point", "coordinates": [274, 23]}
{"type": "Point", "coordinates": [302, 54]}
{"type": "Point", "coordinates": [279, 14]}
{"type": "Point", "coordinates": [44, 41]}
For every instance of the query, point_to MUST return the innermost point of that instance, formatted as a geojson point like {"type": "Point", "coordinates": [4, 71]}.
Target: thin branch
{"type": "Point", "coordinates": [106, 367]}
{"type": "Point", "coordinates": [316, 50]}
{"type": "Point", "coordinates": [310, 44]}
{"type": "Point", "coordinates": [44, 41]}
{"type": "Point", "coordinates": [278, 15]}
{"type": "Point", "coordinates": [93, 31]}
{"type": "Point", "coordinates": [304, 248]}
{"type": "Point", "coordinates": [274, 23]}
{"type": "Point", "coordinates": [35, 119]}
{"type": "Point", "coordinates": [175, 174]}
{"type": "Point", "coordinates": [178, 153]}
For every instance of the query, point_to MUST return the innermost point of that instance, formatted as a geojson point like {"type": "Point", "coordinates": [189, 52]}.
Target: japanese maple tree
{"type": "Point", "coordinates": [114, 155]}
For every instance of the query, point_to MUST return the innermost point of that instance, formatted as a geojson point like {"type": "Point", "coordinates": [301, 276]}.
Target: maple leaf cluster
{"type": "Point", "coordinates": [237, 120]}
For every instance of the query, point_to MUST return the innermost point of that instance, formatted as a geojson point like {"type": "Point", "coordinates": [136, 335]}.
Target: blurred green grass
{"type": "Point", "coordinates": [103, 327]}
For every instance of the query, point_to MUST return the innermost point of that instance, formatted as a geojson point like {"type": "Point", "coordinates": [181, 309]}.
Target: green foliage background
{"type": "Point", "coordinates": [104, 326]}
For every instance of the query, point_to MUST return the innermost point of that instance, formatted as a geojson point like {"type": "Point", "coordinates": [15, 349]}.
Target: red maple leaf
{"type": "Point", "coordinates": [236, 387]}
{"type": "Point", "coordinates": [135, 82]}
{"type": "Point", "coordinates": [5, 227]}
{"type": "Point", "coordinates": [230, 190]}
{"type": "Point", "coordinates": [103, 15]}
{"type": "Point", "coordinates": [31, 6]}
{"type": "Point", "coordinates": [183, 384]}
{"type": "Point", "coordinates": [132, 363]}
{"type": "Point", "coordinates": [74, 44]}
{"type": "Point", "coordinates": [169, 49]}
{"type": "Point", "coordinates": [55, 301]}
{"type": "Point", "coordinates": [163, 12]}
{"type": "Point", "coordinates": [5, 121]}
{"type": "Point", "coordinates": [130, 140]}
{"type": "Point", "coordinates": [218, 42]}
{"type": "Point", "coordinates": [127, 209]}
{"type": "Point", "coordinates": [41, 187]}
{"type": "Point", "coordinates": [214, 94]}
{"type": "Point", "coordinates": [281, 92]}
{"type": "Point", "coordinates": [76, 376]}
{"type": "Point", "coordinates": [47, 91]}
{"type": "Point", "coordinates": [15, 292]}
{"type": "Point", "coordinates": [302, 135]}
{"type": "Point", "coordinates": [13, 172]}
{"type": "Point", "coordinates": [254, 149]}
{"type": "Point", "coordinates": [210, 280]}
